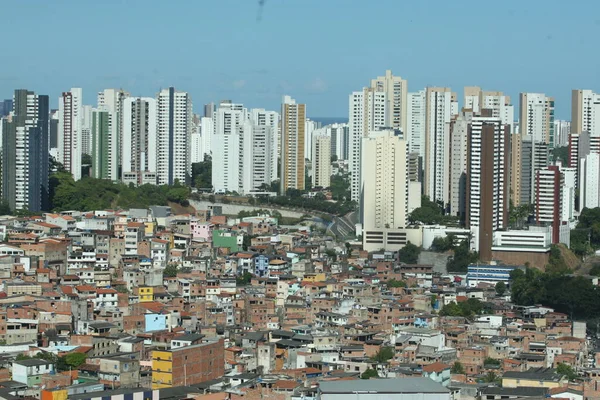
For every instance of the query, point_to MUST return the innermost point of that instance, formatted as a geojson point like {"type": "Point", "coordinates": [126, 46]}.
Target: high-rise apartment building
{"type": "Point", "coordinates": [589, 181]}
{"type": "Point", "coordinates": [488, 181]}
{"type": "Point", "coordinates": [367, 112]}
{"type": "Point", "coordinates": [69, 149]}
{"type": "Point", "coordinates": [321, 162]}
{"type": "Point", "coordinates": [293, 125]}
{"type": "Point", "coordinates": [386, 190]}
{"type": "Point", "coordinates": [459, 134]}
{"type": "Point", "coordinates": [207, 130]}
{"type": "Point", "coordinates": [112, 100]}
{"type": "Point", "coordinates": [562, 129]}
{"type": "Point", "coordinates": [86, 129]}
{"type": "Point", "coordinates": [533, 157]}
{"type": "Point", "coordinates": [104, 146]}
{"type": "Point", "coordinates": [396, 90]}
{"type": "Point", "coordinates": [549, 199]}
{"type": "Point", "coordinates": [262, 117]}
{"type": "Point", "coordinates": [173, 131]}
{"type": "Point", "coordinates": [229, 121]}
{"type": "Point", "coordinates": [498, 104]}
{"type": "Point", "coordinates": [339, 134]}
{"type": "Point", "coordinates": [6, 107]}
{"type": "Point", "coordinates": [25, 156]}
{"type": "Point", "coordinates": [242, 147]}
{"type": "Point", "coordinates": [536, 118]}
{"type": "Point", "coordinates": [585, 112]}
{"type": "Point", "coordinates": [139, 135]}
{"type": "Point", "coordinates": [310, 127]}
{"type": "Point", "coordinates": [440, 107]}
{"type": "Point", "coordinates": [416, 116]}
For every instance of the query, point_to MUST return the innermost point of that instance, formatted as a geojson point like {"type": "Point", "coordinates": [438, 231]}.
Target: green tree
{"type": "Point", "coordinates": [331, 254]}
{"type": "Point", "coordinates": [393, 283]}
{"type": "Point", "coordinates": [462, 258]}
{"type": "Point", "coordinates": [491, 361]}
{"type": "Point", "coordinates": [430, 213]}
{"type": "Point", "coordinates": [369, 373]}
{"type": "Point", "coordinates": [491, 377]}
{"type": "Point", "coordinates": [561, 153]}
{"type": "Point", "coordinates": [457, 368]}
{"type": "Point", "coordinates": [595, 270]}
{"type": "Point", "coordinates": [566, 370]}
{"type": "Point", "coordinates": [202, 173]}
{"type": "Point", "coordinates": [170, 271]}
{"type": "Point", "coordinates": [500, 288]}
{"type": "Point", "coordinates": [383, 355]}
{"type": "Point", "coordinates": [74, 360]}
{"type": "Point", "coordinates": [556, 262]}
{"type": "Point", "coordinates": [243, 279]}
{"type": "Point", "coordinates": [443, 244]}
{"type": "Point", "coordinates": [409, 254]}
{"type": "Point", "coordinates": [5, 208]}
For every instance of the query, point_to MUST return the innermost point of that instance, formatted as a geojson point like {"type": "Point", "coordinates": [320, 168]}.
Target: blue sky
{"type": "Point", "coordinates": [317, 51]}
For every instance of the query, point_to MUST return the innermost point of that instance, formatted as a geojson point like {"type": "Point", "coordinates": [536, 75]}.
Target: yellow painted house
{"type": "Point", "coordinates": [162, 369]}
{"type": "Point", "coordinates": [535, 378]}
{"type": "Point", "coordinates": [146, 293]}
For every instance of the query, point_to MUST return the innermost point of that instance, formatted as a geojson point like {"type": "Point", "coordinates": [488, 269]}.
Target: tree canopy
{"type": "Point", "coordinates": [393, 283]}
{"type": "Point", "coordinates": [97, 194]}
{"type": "Point", "coordinates": [409, 254]}
{"type": "Point", "coordinates": [383, 355]}
{"type": "Point", "coordinates": [202, 173]}
{"type": "Point", "coordinates": [566, 370]}
{"type": "Point", "coordinates": [369, 373]}
{"type": "Point", "coordinates": [462, 258]}
{"type": "Point", "coordinates": [574, 295]}
{"type": "Point", "coordinates": [430, 213]}
{"type": "Point", "coordinates": [467, 308]}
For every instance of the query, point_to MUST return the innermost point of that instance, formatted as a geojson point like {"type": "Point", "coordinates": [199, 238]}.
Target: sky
{"type": "Point", "coordinates": [317, 51]}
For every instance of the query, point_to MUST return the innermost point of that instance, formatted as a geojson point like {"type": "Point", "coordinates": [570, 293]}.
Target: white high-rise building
{"type": "Point", "coordinates": [257, 162]}
{"type": "Point", "coordinates": [207, 130]}
{"type": "Point", "coordinates": [440, 107]}
{"type": "Point", "coordinates": [242, 148]}
{"type": "Point", "coordinates": [310, 127]}
{"type": "Point", "coordinates": [367, 112]}
{"type": "Point", "coordinates": [196, 148]}
{"type": "Point", "coordinates": [386, 191]}
{"type": "Point", "coordinates": [396, 90]}
{"type": "Point", "coordinates": [229, 122]}
{"type": "Point", "coordinates": [416, 116]}
{"type": "Point", "coordinates": [384, 181]}
{"type": "Point", "coordinates": [112, 100]}
{"type": "Point", "coordinates": [86, 129]}
{"type": "Point", "coordinates": [585, 112]}
{"type": "Point", "coordinates": [589, 181]}
{"type": "Point", "coordinates": [174, 128]}
{"type": "Point", "coordinates": [569, 187]}
{"type": "Point", "coordinates": [321, 162]}
{"type": "Point", "coordinates": [536, 118]}
{"type": "Point", "coordinates": [339, 134]}
{"type": "Point", "coordinates": [562, 129]}
{"type": "Point", "coordinates": [139, 140]}
{"type": "Point", "coordinates": [262, 117]}
{"type": "Point", "coordinates": [69, 149]}
{"type": "Point", "coordinates": [459, 139]}
{"type": "Point", "coordinates": [497, 102]}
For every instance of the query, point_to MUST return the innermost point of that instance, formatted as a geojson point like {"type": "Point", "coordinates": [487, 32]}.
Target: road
{"type": "Point", "coordinates": [343, 227]}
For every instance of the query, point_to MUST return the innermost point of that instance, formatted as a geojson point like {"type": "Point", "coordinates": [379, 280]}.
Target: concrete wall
{"type": "Point", "coordinates": [234, 209]}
